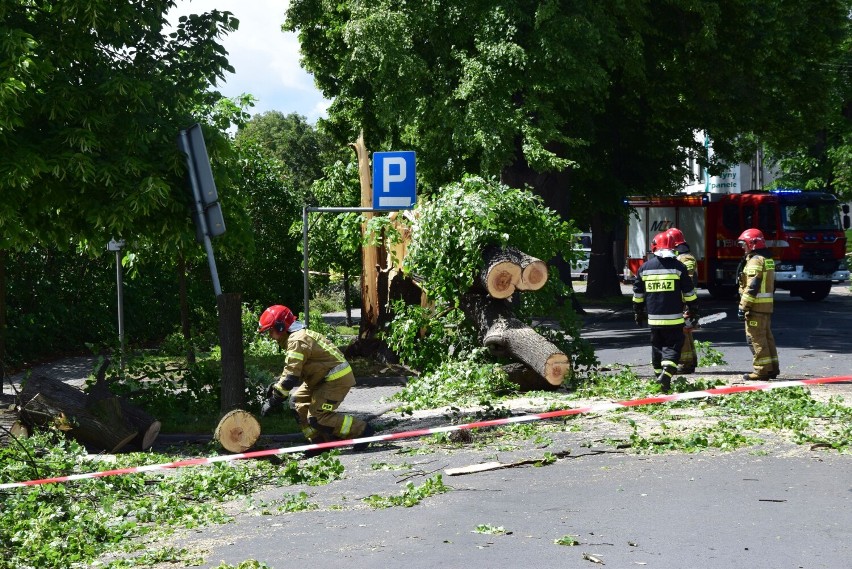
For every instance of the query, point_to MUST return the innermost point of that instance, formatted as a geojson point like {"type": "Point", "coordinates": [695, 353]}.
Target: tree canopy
{"type": "Point", "coordinates": [586, 101]}
{"type": "Point", "coordinates": [92, 95]}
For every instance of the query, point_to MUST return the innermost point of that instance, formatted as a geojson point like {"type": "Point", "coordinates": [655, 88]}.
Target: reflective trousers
{"type": "Point", "coordinates": [762, 343]}
{"type": "Point", "coordinates": [666, 343]}
{"type": "Point", "coordinates": [688, 357]}
{"type": "Point", "coordinates": [316, 410]}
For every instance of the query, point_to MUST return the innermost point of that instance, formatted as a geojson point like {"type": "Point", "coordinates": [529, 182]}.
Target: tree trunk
{"type": "Point", "coordinates": [97, 423]}
{"type": "Point", "coordinates": [603, 281]}
{"type": "Point", "coordinates": [11, 426]}
{"type": "Point", "coordinates": [237, 431]}
{"type": "Point", "coordinates": [369, 255]}
{"type": "Point", "coordinates": [233, 360]}
{"type": "Point", "coordinates": [527, 379]}
{"type": "Point", "coordinates": [347, 301]}
{"type": "Point", "coordinates": [185, 325]}
{"type": "Point", "coordinates": [505, 335]}
{"type": "Point", "coordinates": [501, 273]}
{"type": "Point", "coordinates": [533, 272]}
{"type": "Point", "coordinates": [3, 256]}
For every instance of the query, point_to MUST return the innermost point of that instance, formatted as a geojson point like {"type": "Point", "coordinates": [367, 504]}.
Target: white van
{"type": "Point", "coordinates": [583, 244]}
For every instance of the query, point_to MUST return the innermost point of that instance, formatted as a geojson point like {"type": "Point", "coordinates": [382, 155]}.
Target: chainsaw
{"type": "Point", "coordinates": [706, 320]}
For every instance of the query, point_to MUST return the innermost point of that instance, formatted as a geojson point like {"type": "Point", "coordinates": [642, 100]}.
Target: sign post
{"type": "Point", "coordinates": [208, 213]}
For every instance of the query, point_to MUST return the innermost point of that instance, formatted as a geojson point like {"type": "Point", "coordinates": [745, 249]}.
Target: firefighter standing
{"type": "Point", "coordinates": [316, 379]}
{"type": "Point", "coordinates": [661, 290]}
{"type": "Point", "coordinates": [756, 286]}
{"type": "Point", "coordinates": [688, 356]}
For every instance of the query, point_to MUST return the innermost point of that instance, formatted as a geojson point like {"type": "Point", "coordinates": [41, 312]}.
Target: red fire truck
{"type": "Point", "coordinates": [802, 229]}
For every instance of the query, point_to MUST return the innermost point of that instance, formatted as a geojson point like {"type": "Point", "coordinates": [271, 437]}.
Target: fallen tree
{"type": "Point", "coordinates": [98, 419]}
{"type": "Point", "coordinates": [506, 336]}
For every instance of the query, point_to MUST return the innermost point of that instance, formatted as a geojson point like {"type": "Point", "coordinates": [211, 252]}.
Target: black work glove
{"type": "Point", "coordinates": [640, 317]}
{"type": "Point", "coordinates": [691, 318]}
{"type": "Point", "coordinates": [741, 315]}
{"type": "Point", "coordinates": [275, 398]}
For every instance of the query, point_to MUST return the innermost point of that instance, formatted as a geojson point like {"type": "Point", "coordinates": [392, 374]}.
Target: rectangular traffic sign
{"type": "Point", "coordinates": [394, 180]}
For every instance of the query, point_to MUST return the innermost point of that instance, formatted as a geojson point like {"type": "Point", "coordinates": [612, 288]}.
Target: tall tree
{"type": "Point", "coordinates": [587, 101]}
{"type": "Point", "coordinates": [92, 95]}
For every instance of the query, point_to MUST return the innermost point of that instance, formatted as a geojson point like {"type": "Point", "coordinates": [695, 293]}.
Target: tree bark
{"type": "Point", "coordinates": [186, 328]}
{"type": "Point", "coordinates": [369, 255]}
{"type": "Point", "coordinates": [237, 431]}
{"type": "Point", "coordinates": [505, 335]}
{"type": "Point", "coordinates": [97, 423]}
{"type": "Point", "coordinates": [11, 427]}
{"type": "Point", "coordinates": [233, 360]}
{"type": "Point", "coordinates": [527, 379]}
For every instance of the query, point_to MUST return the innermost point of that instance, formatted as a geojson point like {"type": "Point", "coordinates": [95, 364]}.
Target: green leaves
{"type": "Point", "coordinates": [452, 229]}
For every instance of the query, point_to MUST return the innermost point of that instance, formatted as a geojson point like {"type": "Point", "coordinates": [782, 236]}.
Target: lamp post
{"type": "Point", "coordinates": [117, 245]}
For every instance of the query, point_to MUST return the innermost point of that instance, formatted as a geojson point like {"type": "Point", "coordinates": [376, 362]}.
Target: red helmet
{"type": "Point", "coordinates": [676, 236]}
{"type": "Point", "coordinates": [752, 239]}
{"type": "Point", "coordinates": [661, 241]}
{"type": "Point", "coordinates": [276, 316]}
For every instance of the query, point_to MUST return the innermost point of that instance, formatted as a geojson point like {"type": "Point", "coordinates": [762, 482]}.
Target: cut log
{"type": "Point", "coordinates": [527, 379]}
{"type": "Point", "coordinates": [100, 427]}
{"type": "Point", "coordinates": [501, 273]}
{"type": "Point", "coordinates": [533, 272]}
{"type": "Point", "coordinates": [237, 431]}
{"type": "Point", "coordinates": [147, 427]}
{"type": "Point", "coordinates": [96, 422]}
{"type": "Point", "coordinates": [11, 427]}
{"type": "Point", "coordinates": [505, 335]}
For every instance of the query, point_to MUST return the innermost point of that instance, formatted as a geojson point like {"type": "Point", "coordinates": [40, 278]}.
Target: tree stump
{"type": "Point", "coordinates": [505, 335]}
{"type": "Point", "coordinates": [237, 431]}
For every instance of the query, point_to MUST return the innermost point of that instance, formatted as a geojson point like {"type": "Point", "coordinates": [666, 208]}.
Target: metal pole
{"type": "Point", "coordinates": [119, 282]}
{"type": "Point", "coordinates": [202, 221]}
{"type": "Point", "coordinates": [305, 264]}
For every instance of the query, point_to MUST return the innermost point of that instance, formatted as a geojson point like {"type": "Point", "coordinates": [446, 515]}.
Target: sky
{"type": "Point", "coordinates": [265, 59]}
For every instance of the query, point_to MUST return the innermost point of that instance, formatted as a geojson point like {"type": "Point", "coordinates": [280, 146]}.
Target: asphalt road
{"type": "Point", "coordinates": [773, 506]}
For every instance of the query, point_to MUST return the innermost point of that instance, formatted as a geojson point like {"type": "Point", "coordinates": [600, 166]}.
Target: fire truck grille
{"type": "Point", "coordinates": [819, 261]}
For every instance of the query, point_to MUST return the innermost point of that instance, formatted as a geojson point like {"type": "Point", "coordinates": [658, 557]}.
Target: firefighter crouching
{"type": "Point", "coordinates": [661, 290]}
{"type": "Point", "coordinates": [316, 379]}
{"type": "Point", "coordinates": [688, 356]}
{"type": "Point", "coordinates": [756, 286]}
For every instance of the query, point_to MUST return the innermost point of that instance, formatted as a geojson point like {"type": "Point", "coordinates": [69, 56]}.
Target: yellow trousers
{"type": "Point", "coordinates": [762, 343]}
{"type": "Point", "coordinates": [316, 409]}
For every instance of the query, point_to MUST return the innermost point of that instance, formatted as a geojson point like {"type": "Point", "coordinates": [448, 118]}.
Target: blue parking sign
{"type": "Point", "coordinates": [394, 180]}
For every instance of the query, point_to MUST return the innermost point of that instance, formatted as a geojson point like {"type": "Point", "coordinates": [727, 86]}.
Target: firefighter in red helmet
{"type": "Point", "coordinates": [661, 290]}
{"type": "Point", "coordinates": [757, 286]}
{"type": "Point", "coordinates": [316, 379]}
{"type": "Point", "coordinates": [688, 356]}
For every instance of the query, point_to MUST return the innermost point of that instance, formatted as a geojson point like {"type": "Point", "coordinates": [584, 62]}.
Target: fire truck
{"type": "Point", "coordinates": [802, 229]}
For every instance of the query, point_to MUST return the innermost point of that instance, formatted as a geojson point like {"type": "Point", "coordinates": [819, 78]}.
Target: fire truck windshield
{"type": "Point", "coordinates": [810, 216]}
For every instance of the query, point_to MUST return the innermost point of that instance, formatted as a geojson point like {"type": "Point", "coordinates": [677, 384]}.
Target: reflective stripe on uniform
{"type": "Point", "coordinates": [346, 426]}
{"type": "Point", "coordinates": [338, 371]}
{"type": "Point", "coordinates": [295, 356]}
{"type": "Point", "coordinates": [665, 319]}
{"type": "Point", "coordinates": [326, 345]}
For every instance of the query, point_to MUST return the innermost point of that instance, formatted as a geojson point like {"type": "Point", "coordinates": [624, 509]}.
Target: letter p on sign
{"type": "Point", "coordinates": [394, 180]}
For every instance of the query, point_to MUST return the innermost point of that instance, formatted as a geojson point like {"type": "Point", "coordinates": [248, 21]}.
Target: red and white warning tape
{"type": "Point", "coordinates": [601, 407]}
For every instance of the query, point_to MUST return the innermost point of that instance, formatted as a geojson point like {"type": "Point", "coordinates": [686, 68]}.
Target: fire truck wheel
{"type": "Point", "coordinates": [815, 292]}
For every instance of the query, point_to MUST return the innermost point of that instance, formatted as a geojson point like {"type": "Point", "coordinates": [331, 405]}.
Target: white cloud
{"type": "Point", "coordinates": [265, 59]}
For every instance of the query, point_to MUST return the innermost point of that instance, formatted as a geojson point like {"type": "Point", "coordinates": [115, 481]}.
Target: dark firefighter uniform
{"type": "Point", "coordinates": [661, 289]}
{"type": "Point", "coordinates": [756, 286]}
{"type": "Point", "coordinates": [688, 357]}
{"type": "Point", "coordinates": [324, 378]}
